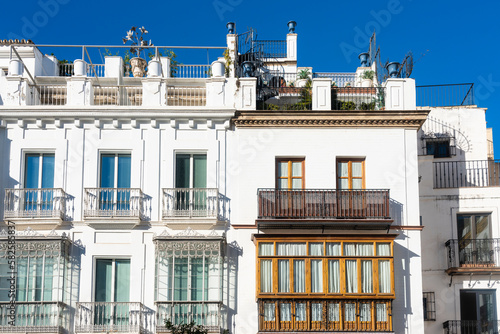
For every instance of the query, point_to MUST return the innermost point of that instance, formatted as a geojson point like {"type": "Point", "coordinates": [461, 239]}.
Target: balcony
{"type": "Point", "coordinates": [325, 315]}
{"type": "Point", "coordinates": [121, 317]}
{"type": "Point", "coordinates": [467, 256]}
{"type": "Point", "coordinates": [206, 204]}
{"type": "Point", "coordinates": [312, 207]}
{"type": "Point", "coordinates": [34, 317]}
{"type": "Point", "coordinates": [46, 204]}
{"type": "Point", "coordinates": [358, 98]}
{"type": "Point", "coordinates": [206, 314]}
{"type": "Point", "coordinates": [123, 204]}
{"type": "Point", "coordinates": [470, 326]}
{"type": "Point", "coordinates": [467, 174]}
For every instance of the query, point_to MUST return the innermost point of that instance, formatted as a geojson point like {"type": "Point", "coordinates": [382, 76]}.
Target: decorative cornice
{"type": "Point", "coordinates": [404, 119]}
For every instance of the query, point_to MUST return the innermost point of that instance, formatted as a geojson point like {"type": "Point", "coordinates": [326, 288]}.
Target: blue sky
{"type": "Point", "coordinates": [452, 41]}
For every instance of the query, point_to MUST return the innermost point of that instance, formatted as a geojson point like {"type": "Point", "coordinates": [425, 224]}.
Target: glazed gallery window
{"type": "Point", "coordinates": [343, 268]}
{"type": "Point", "coordinates": [350, 173]}
{"type": "Point", "coordinates": [474, 239]}
{"type": "Point", "coordinates": [290, 173]}
{"type": "Point", "coordinates": [39, 175]}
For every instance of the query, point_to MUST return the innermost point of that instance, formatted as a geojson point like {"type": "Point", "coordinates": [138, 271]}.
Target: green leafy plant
{"type": "Point", "coordinates": [190, 328]}
{"type": "Point", "coordinates": [174, 64]}
{"type": "Point", "coordinates": [303, 74]}
{"type": "Point", "coordinates": [368, 75]}
{"type": "Point", "coordinates": [348, 105]}
{"type": "Point", "coordinates": [367, 105]}
{"type": "Point", "coordinates": [228, 63]}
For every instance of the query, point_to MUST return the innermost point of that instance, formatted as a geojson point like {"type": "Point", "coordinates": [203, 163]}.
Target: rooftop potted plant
{"type": "Point", "coordinates": [135, 35]}
{"type": "Point", "coordinates": [303, 78]}
{"type": "Point", "coordinates": [367, 78]}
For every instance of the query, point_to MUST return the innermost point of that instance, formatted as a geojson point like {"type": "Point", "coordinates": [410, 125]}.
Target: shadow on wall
{"type": "Point", "coordinates": [402, 285]}
{"type": "Point", "coordinates": [73, 279]}
{"type": "Point", "coordinates": [396, 211]}
{"type": "Point", "coordinates": [5, 165]}
{"type": "Point", "coordinates": [234, 252]}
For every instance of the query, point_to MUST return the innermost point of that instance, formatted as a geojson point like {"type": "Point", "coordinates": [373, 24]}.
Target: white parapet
{"type": "Point", "coordinates": [14, 91]}
{"type": "Point", "coordinates": [291, 46]}
{"type": "Point", "coordinates": [400, 94]}
{"type": "Point", "coordinates": [231, 46]}
{"type": "Point", "coordinates": [113, 67]}
{"type": "Point", "coordinates": [165, 67]}
{"type": "Point", "coordinates": [152, 92]}
{"type": "Point", "coordinates": [80, 91]}
{"type": "Point", "coordinates": [247, 99]}
{"type": "Point", "coordinates": [321, 94]}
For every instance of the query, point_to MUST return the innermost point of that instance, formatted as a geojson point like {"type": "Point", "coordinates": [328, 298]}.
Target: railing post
{"type": "Point", "coordinates": [321, 94]}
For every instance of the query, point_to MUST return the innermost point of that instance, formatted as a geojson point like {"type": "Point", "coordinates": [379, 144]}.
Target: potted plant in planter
{"type": "Point", "coordinates": [137, 63]}
{"type": "Point", "coordinates": [367, 78]}
{"type": "Point", "coordinates": [303, 78]}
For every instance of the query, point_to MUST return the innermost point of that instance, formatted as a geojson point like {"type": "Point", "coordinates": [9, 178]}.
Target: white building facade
{"type": "Point", "coordinates": [239, 199]}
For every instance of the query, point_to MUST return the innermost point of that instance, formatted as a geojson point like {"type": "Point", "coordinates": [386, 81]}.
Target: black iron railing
{"type": "Point", "coordinates": [323, 204]}
{"type": "Point", "coordinates": [449, 95]}
{"type": "Point", "coordinates": [358, 98]}
{"type": "Point", "coordinates": [472, 173]}
{"type": "Point", "coordinates": [471, 326]}
{"type": "Point", "coordinates": [289, 98]}
{"type": "Point", "coordinates": [271, 48]}
{"type": "Point", "coordinates": [473, 253]}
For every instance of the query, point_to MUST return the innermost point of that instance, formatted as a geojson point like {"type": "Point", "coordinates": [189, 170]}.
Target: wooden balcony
{"type": "Point", "coordinates": [283, 208]}
{"type": "Point", "coordinates": [466, 256]}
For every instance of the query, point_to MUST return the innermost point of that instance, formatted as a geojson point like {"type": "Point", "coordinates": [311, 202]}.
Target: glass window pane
{"type": "Point", "coordinates": [122, 280]}
{"type": "Point", "coordinates": [364, 249]}
{"type": "Point", "coordinates": [343, 169]}
{"type": "Point", "coordinates": [285, 312]}
{"type": "Point", "coordinates": [351, 273]}
{"type": "Point", "coordinates": [381, 311]}
{"type": "Point", "coordinates": [316, 276]}
{"type": "Point", "coordinates": [344, 184]}
{"type": "Point", "coordinates": [350, 312]}
{"type": "Point", "coordinates": [333, 276]}
{"type": "Point", "coordinates": [283, 169]}
{"type": "Point", "coordinates": [299, 276]}
{"type": "Point", "coordinates": [333, 312]}
{"type": "Point", "coordinates": [383, 249]}
{"type": "Point", "coordinates": [296, 168]}
{"type": "Point", "coordinates": [296, 183]}
{"type": "Point", "coordinates": [32, 170]}
{"type": "Point", "coordinates": [291, 248]}
{"type": "Point", "coordinates": [199, 279]}
{"type": "Point", "coordinates": [48, 171]}
{"type": "Point", "coordinates": [266, 249]}
{"type": "Point", "coordinates": [482, 227]}
{"type": "Point", "coordinates": [365, 312]}
{"type": "Point", "coordinates": [269, 314]}
{"type": "Point", "coordinates": [266, 276]}
{"type": "Point", "coordinates": [103, 281]}
{"type": "Point", "coordinates": [349, 249]}
{"type": "Point", "coordinates": [283, 183]}
{"type": "Point", "coordinates": [300, 311]}
{"type": "Point", "coordinates": [384, 276]}
{"type": "Point", "coordinates": [464, 225]}
{"type": "Point", "coordinates": [283, 276]}
{"type": "Point", "coordinates": [316, 249]}
{"type": "Point", "coordinates": [107, 171]}
{"type": "Point", "coordinates": [333, 249]}
{"type": "Point", "coordinates": [180, 278]}
{"type": "Point", "coordinates": [200, 171]}
{"type": "Point", "coordinates": [366, 276]}
{"type": "Point", "coordinates": [182, 171]}
{"type": "Point", "coordinates": [316, 311]}
{"type": "Point", "coordinates": [357, 184]}
{"type": "Point", "coordinates": [357, 169]}
{"type": "Point", "coordinates": [124, 162]}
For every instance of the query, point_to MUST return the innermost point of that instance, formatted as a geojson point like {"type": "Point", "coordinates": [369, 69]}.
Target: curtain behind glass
{"type": "Point", "coordinates": [333, 312]}
{"type": "Point", "coordinates": [285, 312]}
{"type": "Point", "coordinates": [350, 312]}
{"type": "Point", "coordinates": [269, 314]}
{"type": "Point", "coordinates": [333, 276]}
{"type": "Point", "coordinates": [366, 276]}
{"type": "Point", "coordinates": [383, 249]}
{"type": "Point", "coordinates": [316, 311]}
{"type": "Point", "coordinates": [315, 249]}
{"type": "Point", "coordinates": [291, 249]}
{"type": "Point", "coordinates": [384, 279]}
{"type": "Point", "coordinates": [266, 249]}
{"type": "Point", "coordinates": [381, 311]}
{"type": "Point", "coordinates": [266, 276]}
{"type": "Point", "coordinates": [351, 272]}
{"type": "Point", "coordinates": [283, 276]}
{"type": "Point", "coordinates": [316, 276]}
{"type": "Point", "coordinates": [300, 312]}
{"type": "Point", "coordinates": [333, 249]}
{"type": "Point", "coordinates": [299, 276]}
{"type": "Point", "coordinates": [364, 312]}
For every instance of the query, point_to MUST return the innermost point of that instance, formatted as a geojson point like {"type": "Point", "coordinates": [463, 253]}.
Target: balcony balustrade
{"type": "Point", "coordinates": [325, 315]}
{"type": "Point", "coordinates": [114, 203]}
{"type": "Point", "coordinates": [471, 326]}
{"type": "Point", "coordinates": [467, 255]}
{"type": "Point", "coordinates": [467, 174]}
{"type": "Point", "coordinates": [323, 204]}
{"type": "Point", "coordinates": [204, 203]}
{"type": "Point", "coordinates": [358, 98]}
{"type": "Point", "coordinates": [121, 317]}
{"type": "Point", "coordinates": [34, 317]}
{"type": "Point", "coordinates": [35, 203]}
{"type": "Point", "coordinates": [202, 313]}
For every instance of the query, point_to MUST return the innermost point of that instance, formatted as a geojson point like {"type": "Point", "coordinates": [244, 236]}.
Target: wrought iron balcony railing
{"type": "Point", "coordinates": [206, 314]}
{"type": "Point", "coordinates": [123, 317]}
{"type": "Point", "coordinates": [35, 203]}
{"type": "Point", "coordinates": [473, 253]}
{"type": "Point", "coordinates": [471, 326]}
{"type": "Point", "coordinates": [34, 317]}
{"type": "Point", "coordinates": [472, 173]}
{"type": "Point", "coordinates": [114, 203]}
{"type": "Point", "coordinates": [358, 98]}
{"type": "Point", "coordinates": [194, 203]}
{"type": "Point", "coordinates": [325, 315]}
{"type": "Point", "coordinates": [323, 204]}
